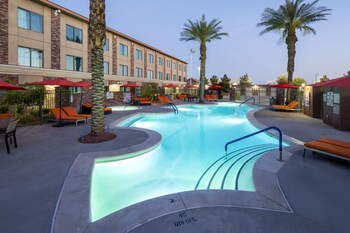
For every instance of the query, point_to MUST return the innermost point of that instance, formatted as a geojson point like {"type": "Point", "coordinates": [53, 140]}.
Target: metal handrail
{"type": "Point", "coordinates": [173, 106]}
{"type": "Point", "coordinates": [247, 101]}
{"type": "Point", "coordinates": [131, 103]}
{"type": "Point", "coordinates": [260, 131]}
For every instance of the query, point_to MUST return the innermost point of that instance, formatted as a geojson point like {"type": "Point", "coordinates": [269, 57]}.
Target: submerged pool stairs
{"type": "Point", "coordinates": [229, 172]}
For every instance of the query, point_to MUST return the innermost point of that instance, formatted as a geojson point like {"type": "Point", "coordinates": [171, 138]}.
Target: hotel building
{"type": "Point", "coordinates": [41, 40]}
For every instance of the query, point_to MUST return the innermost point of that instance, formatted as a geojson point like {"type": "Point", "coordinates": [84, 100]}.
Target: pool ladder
{"type": "Point", "coordinates": [173, 106]}
{"type": "Point", "coordinates": [251, 98]}
{"type": "Point", "coordinates": [133, 102]}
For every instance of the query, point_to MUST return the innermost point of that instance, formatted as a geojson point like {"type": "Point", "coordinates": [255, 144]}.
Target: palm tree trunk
{"type": "Point", "coordinates": [97, 37]}
{"type": "Point", "coordinates": [203, 58]}
{"type": "Point", "coordinates": [291, 40]}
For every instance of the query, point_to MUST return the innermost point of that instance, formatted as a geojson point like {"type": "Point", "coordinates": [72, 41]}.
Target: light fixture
{"type": "Point", "coordinates": [57, 12]}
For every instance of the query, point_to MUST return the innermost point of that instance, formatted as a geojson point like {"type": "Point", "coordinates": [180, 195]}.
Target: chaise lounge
{"type": "Point", "coordinates": [164, 99]}
{"type": "Point", "coordinates": [64, 117]}
{"type": "Point", "coordinates": [331, 147]}
{"type": "Point", "coordinates": [289, 107]}
{"type": "Point", "coordinates": [71, 112]}
{"type": "Point", "coordinates": [143, 101]}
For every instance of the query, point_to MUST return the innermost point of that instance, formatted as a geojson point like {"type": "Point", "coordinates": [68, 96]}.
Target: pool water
{"type": "Point", "coordinates": [192, 141]}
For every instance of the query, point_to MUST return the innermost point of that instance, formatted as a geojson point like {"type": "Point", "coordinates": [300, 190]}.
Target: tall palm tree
{"type": "Point", "coordinates": [287, 19]}
{"type": "Point", "coordinates": [97, 38]}
{"type": "Point", "coordinates": [202, 32]}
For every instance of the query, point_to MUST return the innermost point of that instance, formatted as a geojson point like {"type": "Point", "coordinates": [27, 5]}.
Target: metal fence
{"type": "Point", "coordinates": [33, 106]}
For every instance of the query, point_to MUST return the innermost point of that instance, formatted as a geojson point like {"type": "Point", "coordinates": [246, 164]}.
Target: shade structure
{"type": "Point", "coordinates": [284, 85]}
{"type": "Point", "coordinates": [130, 85]}
{"type": "Point", "coordinates": [61, 82]}
{"type": "Point", "coordinates": [338, 82]}
{"type": "Point", "coordinates": [216, 87]}
{"type": "Point", "coordinates": [9, 86]}
{"type": "Point", "coordinates": [171, 86]}
{"type": "Point", "coordinates": [84, 84]}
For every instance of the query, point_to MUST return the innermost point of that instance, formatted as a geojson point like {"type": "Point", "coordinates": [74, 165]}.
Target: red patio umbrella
{"type": "Point", "coordinates": [191, 87]}
{"type": "Point", "coordinates": [84, 84]}
{"type": "Point", "coordinates": [171, 86]}
{"type": "Point", "coordinates": [61, 82]}
{"type": "Point", "coordinates": [130, 85]}
{"type": "Point", "coordinates": [284, 85]}
{"type": "Point", "coordinates": [9, 86]}
{"type": "Point", "coordinates": [215, 87]}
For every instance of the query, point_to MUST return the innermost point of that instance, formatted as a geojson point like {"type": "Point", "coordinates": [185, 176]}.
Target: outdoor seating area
{"type": "Point", "coordinates": [143, 101]}
{"type": "Point", "coordinates": [289, 107]}
{"type": "Point", "coordinates": [61, 115]}
{"type": "Point", "coordinates": [71, 112]}
{"type": "Point", "coordinates": [330, 147]}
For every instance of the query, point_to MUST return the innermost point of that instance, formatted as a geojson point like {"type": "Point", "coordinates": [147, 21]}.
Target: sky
{"type": "Point", "coordinates": [159, 22]}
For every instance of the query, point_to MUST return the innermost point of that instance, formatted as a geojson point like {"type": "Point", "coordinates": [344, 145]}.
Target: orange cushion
{"type": "Point", "coordinates": [330, 148]}
{"type": "Point", "coordinates": [5, 115]}
{"type": "Point", "coordinates": [335, 142]}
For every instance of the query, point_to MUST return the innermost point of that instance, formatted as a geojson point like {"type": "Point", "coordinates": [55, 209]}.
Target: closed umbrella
{"type": "Point", "coordinates": [61, 82]}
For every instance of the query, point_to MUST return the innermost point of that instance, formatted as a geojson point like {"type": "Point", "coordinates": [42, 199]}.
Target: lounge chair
{"type": "Point", "coordinates": [86, 109]}
{"type": "Point", "coordinates": [164, 99]}
{"type": "Point", "coordinates": [64, 117]}
{"type": "Point", "coordinates": [70, 111]}
{"type": "Point", "coordinates": [289, 107]}
{"type": "Point", "coordinates": [5, 115]}
{"type": "Point", "coordinates": [211, 97]}
{"type": "Point", "coordinates": [331, 147]}
{"type": "Point", "coordinates": [143, 101]}
{"type": "Point", "coordinates": [10, 133]}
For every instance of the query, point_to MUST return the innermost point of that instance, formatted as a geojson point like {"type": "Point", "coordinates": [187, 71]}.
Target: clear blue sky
{"type": "Point", "coordinates": [159, 23]}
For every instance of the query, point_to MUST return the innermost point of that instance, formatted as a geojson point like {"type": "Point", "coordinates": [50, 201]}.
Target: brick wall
{"type": "Point", "coordinates": [55, 41]}
{"type": "Point", "coordinates": [132, 60]}
{"type": "Point", "coordinates": [4, 32]}
{"type": "Point", "coordinates": [115, 57]}
{"type": "Point", "coordinates": [9, 78]}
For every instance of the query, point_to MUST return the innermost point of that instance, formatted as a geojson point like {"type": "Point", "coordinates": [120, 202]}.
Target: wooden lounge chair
{"type": "Point", "coordinates": [64, 117]}
{"type": "Point", "coordinates": [331, 147]}
{"type": "Point", "coordinates": [143, 101]}
{"type": "Point", "coordinates": [70, 111]}
{"type": "Point", "coordinates": [164, 99]}
{"type": "Point", "coordinates": [289, 107]}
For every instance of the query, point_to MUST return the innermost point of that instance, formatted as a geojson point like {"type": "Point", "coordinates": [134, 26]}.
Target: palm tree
{"type": "Point", "coordinates": [202, 32]}
{"type": "Point", "coordinates": [287, 19]}
{"type": "Point", "coordinates": [97, 38]}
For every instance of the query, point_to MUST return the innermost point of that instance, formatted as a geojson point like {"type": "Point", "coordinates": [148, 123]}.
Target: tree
{"type": "Point", "coordinates": [214, 80]}
{"type": "Point", "coordinates": [202, 32]}
{"type": "Point", "coordinates": [324, 78]}
{"type": "Point", "coordinates": [97, 38]}
{"type": "Point", "coordinates": [287, 19]}
{"type": "Point", "coordinates": [347, 74]}
{"type": "Point", "coordinates": [225, 82]}
{"type": "Point", "coordinates": [244, 80]}
{"type": "Point", "coordinates": [297, 81]}
{"type": "Point", "coordinates": [283, 78]}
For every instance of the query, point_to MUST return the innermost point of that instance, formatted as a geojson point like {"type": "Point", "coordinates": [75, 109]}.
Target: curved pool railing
{"type": "Point", "coordinates": [258, 132]}
{"type": "Point", "coordinates": [251, 98]}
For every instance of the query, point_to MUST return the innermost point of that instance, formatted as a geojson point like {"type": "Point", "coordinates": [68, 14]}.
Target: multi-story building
{"type": "Point", "coordinates": [42, 40]}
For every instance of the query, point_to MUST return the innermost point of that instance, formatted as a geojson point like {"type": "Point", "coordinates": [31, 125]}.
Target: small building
{"type": "Point", "coordinates": [330, 101]}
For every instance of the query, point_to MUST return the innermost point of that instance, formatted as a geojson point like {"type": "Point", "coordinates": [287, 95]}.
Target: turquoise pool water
{"type": "Point", "coordinates": [191, 143]}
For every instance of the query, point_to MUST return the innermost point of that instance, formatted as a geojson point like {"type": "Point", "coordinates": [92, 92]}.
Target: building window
{"type": "Point", "coordinates": [150, 58]}
{"type": "Point", "coordinates": [123, 70]}
{"type": "Point", "coordinates": [174, 66]}
{"type": "Point", "coordinates": [180, 67]}
{"type": "Point", "coordinates": [150, 74]}
{"type": "Point", "coordinates": [106, 67]}
{"type": "Point", "coordinates": [30, 57]}
{"type": "Point", "coordinates": [179, 78]}
{"type": "Point", "coordinates": [106, 47]}
{"type": "Point", "coordinates": [174, 77]}
{"type": "Point", "coordinates": [74, 34]}
{"type": "Point", "coordinates": [160, 75]}
{"type": "Point", "coordinates": [29, 20]}
{"type": "Point", "coordinates": [167, 76]}
{"type": "Point", "coordinates": [74, 63]}
{"type": "Point", "coordinates": [167, 63]}
{"type": "Point", "coordinates": [185, 68]}
{"type": "Point", "coordinates": [123, 49]}
{"type": "Point", "coordinates": [138, 54]}
{"type": "Point", "coordinates": [139, 72]}
{"type": "Point", "coordinates": [160, 61]}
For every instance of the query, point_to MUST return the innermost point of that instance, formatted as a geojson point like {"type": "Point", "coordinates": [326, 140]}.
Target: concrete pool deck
{"type": "Point", "coordinates": [32, 176]}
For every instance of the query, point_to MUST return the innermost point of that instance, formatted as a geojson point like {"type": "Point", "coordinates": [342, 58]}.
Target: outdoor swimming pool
{"type": "Point", "coordinates": [190, 157]}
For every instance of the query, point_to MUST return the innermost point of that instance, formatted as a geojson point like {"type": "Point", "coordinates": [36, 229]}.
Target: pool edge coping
{"type": "Point", "coordinates": [85, 225]}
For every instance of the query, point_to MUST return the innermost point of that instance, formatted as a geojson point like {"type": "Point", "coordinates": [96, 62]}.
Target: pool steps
{"type": "Point", "coordinates": [228, 173]}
